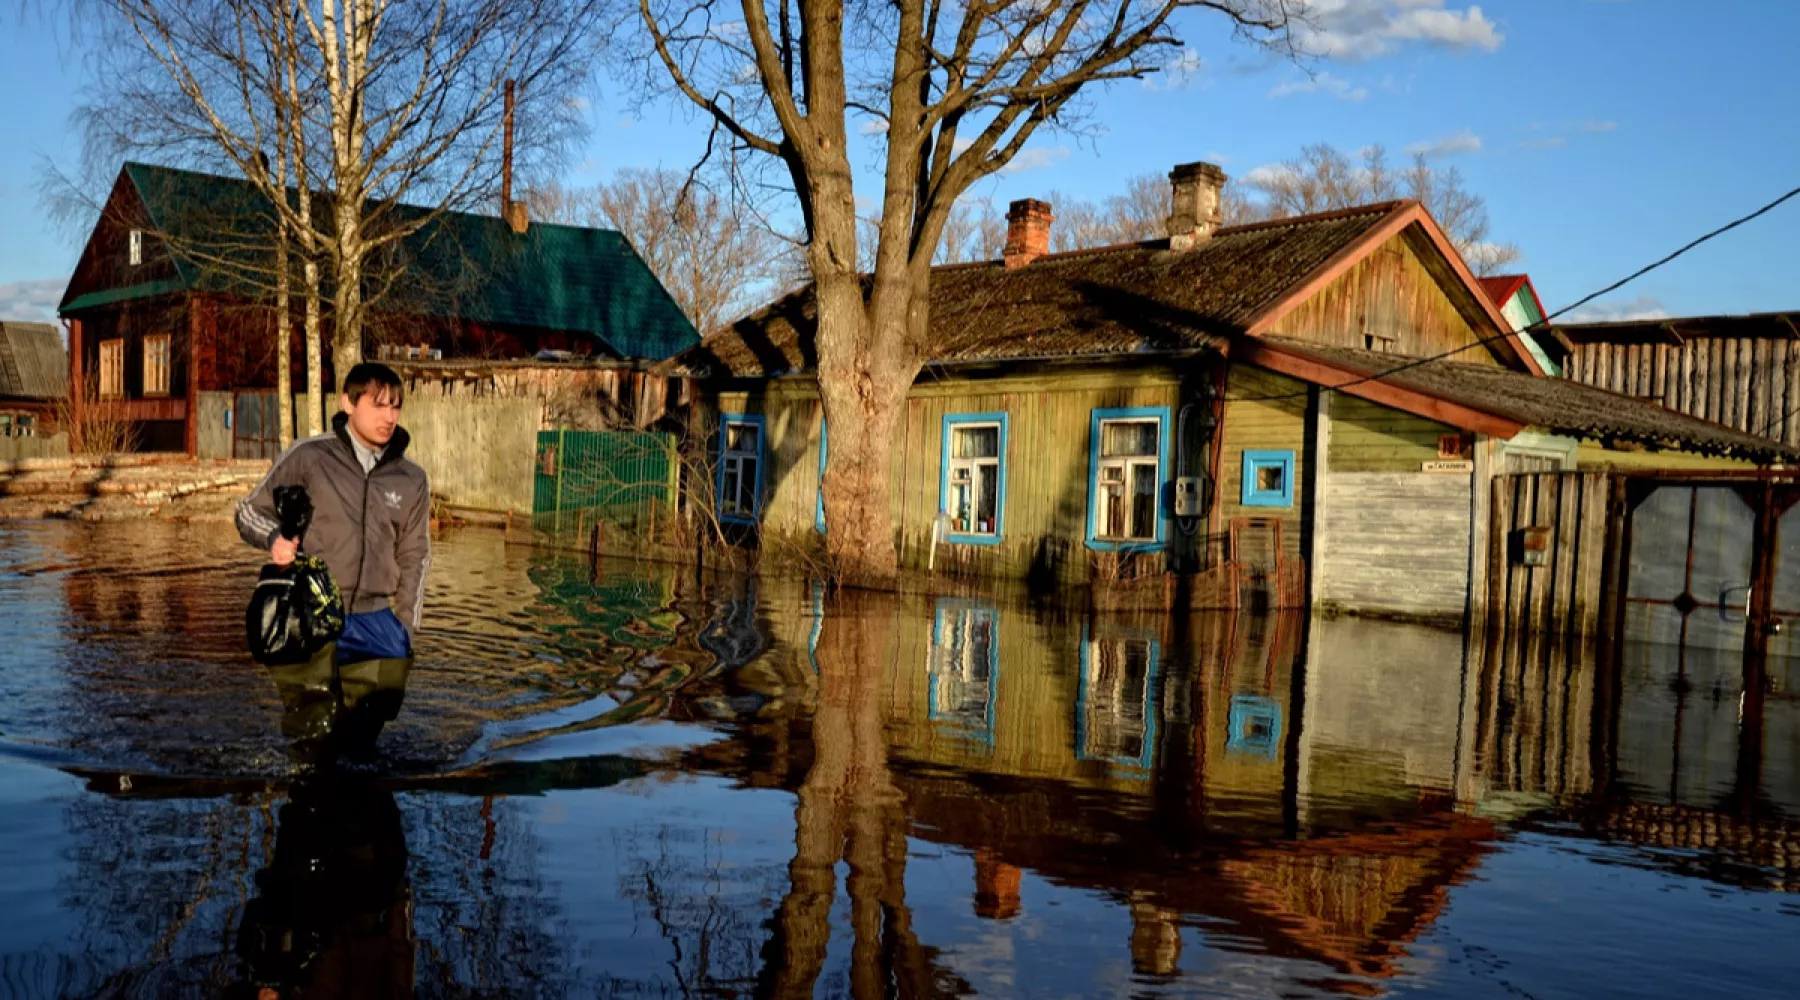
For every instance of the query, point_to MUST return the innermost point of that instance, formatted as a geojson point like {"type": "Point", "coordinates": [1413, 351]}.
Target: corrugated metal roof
{"type": "Point", "coordinates": [458, 266]}
{"type": "Point", "coordinates": [33, 363]}
{"type": "Point", "coordinates": [1558, 405]}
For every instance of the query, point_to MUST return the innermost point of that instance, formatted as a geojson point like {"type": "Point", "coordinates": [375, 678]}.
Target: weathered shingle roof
{"type": "Point", "coordinates": [1129, 299]}
{"type": "Point", "coordinates": [33, 363]}
{"type": "Point", "coordinates": [1557, 405]}
{"type": "Point", "coordinates": [461, 266]}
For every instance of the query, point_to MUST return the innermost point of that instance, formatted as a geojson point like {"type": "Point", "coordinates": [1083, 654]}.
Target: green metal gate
{"type": "Point", "coordinates": [624, 479]}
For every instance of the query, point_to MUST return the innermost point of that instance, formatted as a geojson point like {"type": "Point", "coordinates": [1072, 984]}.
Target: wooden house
{"type": "Point", "coordinates": [1310, 407]}
{"type": "Point", "coordinates": [171, 299]}
{"type": "Point", "coordinates": [34, 379]}
{"type": "Point", "coordinates": [1517, 299]}
{"type": "Point", "coordinates": [1740, 371]}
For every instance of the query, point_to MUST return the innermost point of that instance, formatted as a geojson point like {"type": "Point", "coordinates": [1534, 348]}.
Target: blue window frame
{"type": "Point", "coordinates": [1128, 464]}
{"type": "Point", "coordinates": [972, 477]}
{"type": "Point", "coordinates": [740, 475]}
{"type": "Point", "coordinates": [1115, 698]}
{"type": "Point", "coordinates": [1268, 479]}
{"type": "Point", "coordinates": [819, 509]}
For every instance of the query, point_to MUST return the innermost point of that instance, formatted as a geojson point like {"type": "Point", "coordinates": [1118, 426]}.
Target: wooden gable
{"type": "Point", "coordinates": [105, 261]}
{"type": "Point", "coordinates": [1401, 297]}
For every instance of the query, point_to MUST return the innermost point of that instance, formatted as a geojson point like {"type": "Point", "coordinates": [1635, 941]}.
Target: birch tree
{"type": "Point", "coordinates": [392, 111]}
{"type": "Point", "coordinates": [950, 93]}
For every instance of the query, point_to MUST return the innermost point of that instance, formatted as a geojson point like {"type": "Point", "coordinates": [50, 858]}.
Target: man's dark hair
{"type": "Point", "coordinates": [373, 377]}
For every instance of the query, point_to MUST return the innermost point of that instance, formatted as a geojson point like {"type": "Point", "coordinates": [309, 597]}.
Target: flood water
{"type": "Point", "coordinates": [637, 781]}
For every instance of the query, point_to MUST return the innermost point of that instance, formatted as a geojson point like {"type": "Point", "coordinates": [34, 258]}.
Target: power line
{"type": "Point", "coordinates": [1542, 323]}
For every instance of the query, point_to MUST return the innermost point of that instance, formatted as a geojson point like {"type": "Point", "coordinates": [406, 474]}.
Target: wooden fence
{"type": "Point", "coordinates": [1579, 517]}
{"type": "Point", "coordinates": [1750, 383]}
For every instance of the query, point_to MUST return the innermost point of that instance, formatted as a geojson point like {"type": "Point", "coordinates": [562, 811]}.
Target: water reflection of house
{"type": "Point", "coordinates": [1237, 406]}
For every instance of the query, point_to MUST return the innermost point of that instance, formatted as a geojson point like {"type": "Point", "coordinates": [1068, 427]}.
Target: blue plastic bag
{"type": "Point", "coordinates": [375, 635]}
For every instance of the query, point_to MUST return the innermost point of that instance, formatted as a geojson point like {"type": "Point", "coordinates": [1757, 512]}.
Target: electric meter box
{"type": "Point", "coordinates": [1190, 497]}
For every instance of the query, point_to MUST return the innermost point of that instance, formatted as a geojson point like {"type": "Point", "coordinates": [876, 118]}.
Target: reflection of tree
{"type": "Point", "coordinates": [703, 908]}
{"type": "Point", "coordinates": [850, 809]}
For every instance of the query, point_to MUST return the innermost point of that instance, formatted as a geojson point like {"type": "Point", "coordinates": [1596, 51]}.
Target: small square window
{"type": "Point", "coordinates": [1268, 479]}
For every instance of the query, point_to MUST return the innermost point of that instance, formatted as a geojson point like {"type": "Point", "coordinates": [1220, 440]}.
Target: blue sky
{"type": "Point", "coordinates": [1603, 133]}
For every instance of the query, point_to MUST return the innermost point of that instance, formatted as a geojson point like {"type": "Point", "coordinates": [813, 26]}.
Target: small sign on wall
{"type": "Point", "coordinates": [1463, 465]}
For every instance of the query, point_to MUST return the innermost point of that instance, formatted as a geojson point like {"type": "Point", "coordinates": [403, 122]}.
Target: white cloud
{"type": "Point", "coordinates": [1598, 126]}
{"type": "Point", "coordinates": [1640, 308]}
{"type": "Point", "coordinates": [1322, 83]}
{"type": "Point", "coordinates": [1268, 173]}
{"type": "Point", "coordinates": [1356, 30]}
{"type": "Point", "coordinates": [1036, 158]}
{"type": "Point", "coordinates": [1215, 157]}
{"type": "Point", "coordinates": [874, 126]}
{"type": "Point", "coordinates": [1449, 145]}
{"type": "Point", "coordinates": [1177, 73]}
{"type": "Point", "coordinates": [31, 300]}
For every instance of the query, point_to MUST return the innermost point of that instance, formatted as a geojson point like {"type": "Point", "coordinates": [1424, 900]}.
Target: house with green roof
{"type": "Point", "coordinates": [172, 297]}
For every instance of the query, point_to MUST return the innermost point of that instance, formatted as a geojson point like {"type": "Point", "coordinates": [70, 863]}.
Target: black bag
{"type": "Point", "coordinates": [296, 609]}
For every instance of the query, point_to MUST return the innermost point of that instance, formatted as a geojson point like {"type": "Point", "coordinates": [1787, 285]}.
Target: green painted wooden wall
{"type": "Point", "coordinates": [1369, 437]}
{"type": "Point", "coordinates": [1263, 411]}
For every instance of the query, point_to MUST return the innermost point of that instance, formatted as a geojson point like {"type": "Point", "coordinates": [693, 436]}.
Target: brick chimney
{"type": "Point", "coordinates": [1194, 211]}
{"type": "Point", "coordinates": [1027, 231]}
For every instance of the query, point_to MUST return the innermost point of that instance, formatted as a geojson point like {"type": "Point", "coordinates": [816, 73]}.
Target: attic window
{"type": "Point", "coordinates": [136, 251]}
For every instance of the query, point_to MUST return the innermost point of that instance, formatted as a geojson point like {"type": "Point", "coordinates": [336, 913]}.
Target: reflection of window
{"type": "Point", "coordinates": [1115, 717]}
{"type": "Point", "coordinates": [1255, 726]}
{"type": "Point", "coordinates": [964, 660]}
{"type": "Point", "coordinates": [819, 510]}
{"type": "Point", "coordinates": [1127, 476]}
{"type": "Point", "coordinates": [1268, 479]}
{"type": "Point", "coordinates": [974, 475]}
{"type": "Point", "coordinates": [112, 369]}
{"type": "Point", "coordinates": [156, 365]}
{"type": "Point", "coordinates": [740, 467]}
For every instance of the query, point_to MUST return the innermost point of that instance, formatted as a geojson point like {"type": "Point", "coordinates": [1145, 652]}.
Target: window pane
{"type": "Point", "coordinates": [975, 442]}
{"type": "Point", "coordinates": [988, 475]}
{"type": "Point", "coordinates": [1143, 500]}
{"type": "Point", "coordinates": [1270, 478]}
{"type": "Point", "coordinates": [1112, 511]}
{"type": "Point", "coordinates": [1127, 437]}
{"type": "Point", "coordinates": [960, 496]}
{"type": "Point", "coordinates": [741, 437]}
{"type": "Point", "coordinates": [747, 486]}
{"type": "Point", "coordinates": [728, 487]}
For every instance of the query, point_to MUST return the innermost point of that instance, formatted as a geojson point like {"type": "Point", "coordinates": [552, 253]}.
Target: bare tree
{"type": "Point", "coordinates": [1323, 178]}
{"type": "Point", "coordinates": [390, 111]}
{"type": "Point", "coordinates": [710, 251]}
{"type": "Point", "coordinates": [952, 93]}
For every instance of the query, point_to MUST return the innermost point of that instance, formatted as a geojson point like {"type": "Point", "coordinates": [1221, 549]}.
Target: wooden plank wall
{"type": "Point", "coordinates": [1369, 437]}
{"type": "Point", "coordinates": [1255, 421]}
{"type": "Point", "coordinates": [1565, 595]}
{"type": "Point", "coordinates": [1750, 384]}
{"type": "Point", "coordinates": [1395, 542]}
{"type": "Point", "coordinates": [1049, 425]}
{"type": "Point", "coordinates": [1391, 294]}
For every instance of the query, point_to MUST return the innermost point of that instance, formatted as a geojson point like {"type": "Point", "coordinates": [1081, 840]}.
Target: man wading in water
{"type": "Point", "coordinates": [371, 525]}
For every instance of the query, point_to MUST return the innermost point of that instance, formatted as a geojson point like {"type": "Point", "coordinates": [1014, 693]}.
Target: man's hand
{"type": "Point", "coordinates": [283, 551]}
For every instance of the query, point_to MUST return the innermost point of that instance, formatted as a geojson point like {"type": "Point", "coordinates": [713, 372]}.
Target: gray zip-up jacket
{"type": "Point", "coordinates": [373, 530]}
